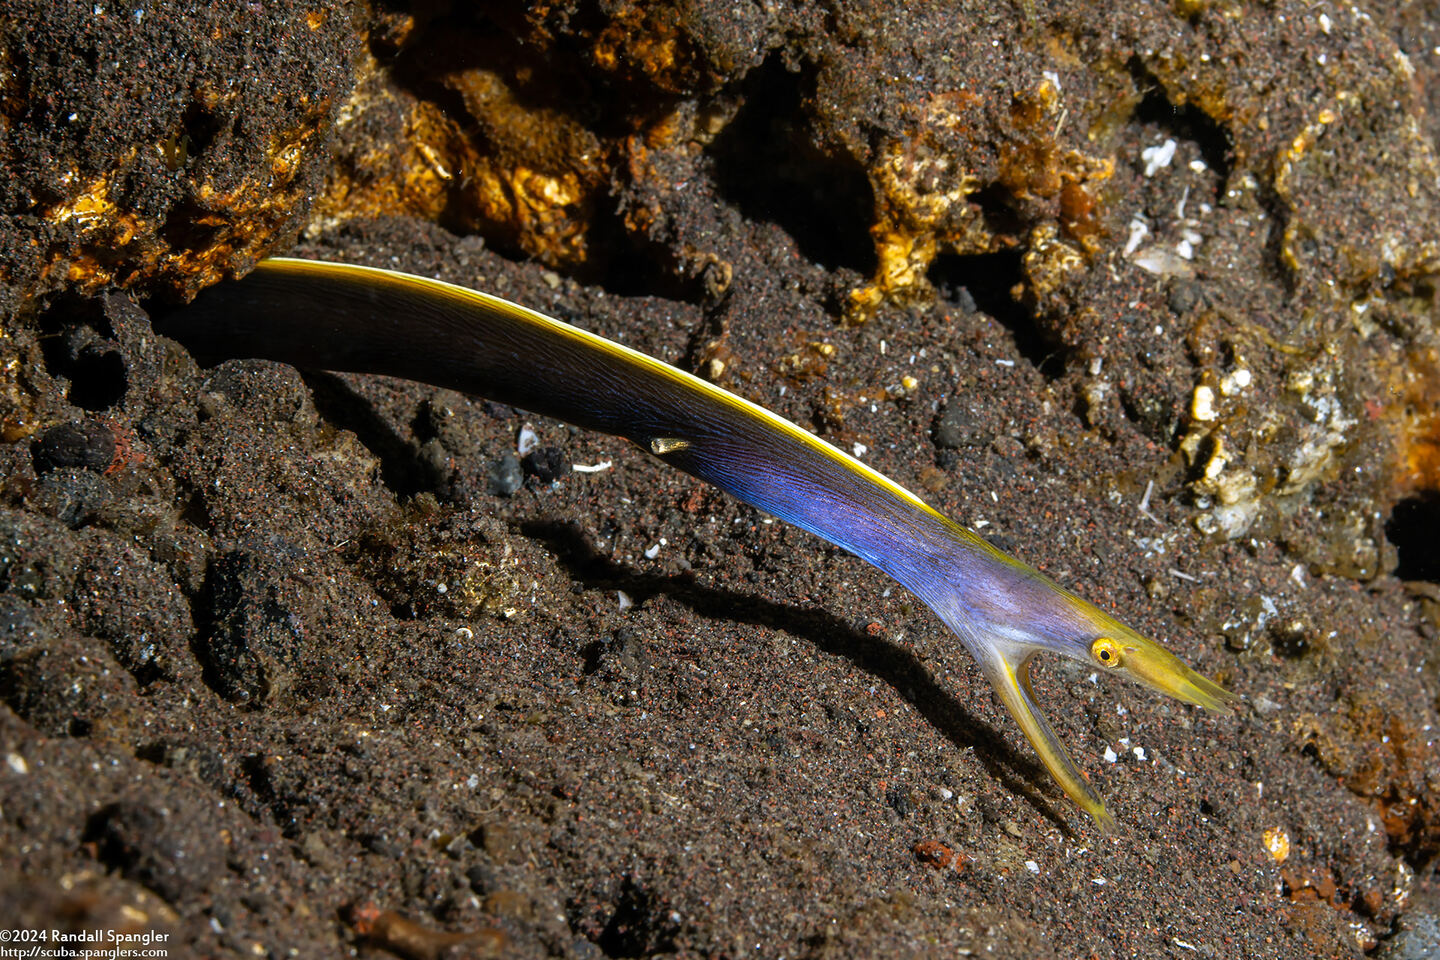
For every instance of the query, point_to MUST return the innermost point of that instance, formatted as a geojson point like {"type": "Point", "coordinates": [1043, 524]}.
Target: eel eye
{"type": "Point", "coordinates": [1107, 651]}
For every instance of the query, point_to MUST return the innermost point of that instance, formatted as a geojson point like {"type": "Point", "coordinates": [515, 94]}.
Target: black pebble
{"type": "Point", "coordinates": [1183, 297]}
{"type": "Point", "coordinates": [483, 878]}
{"type": "Point", "coordinates": [546, 464]}
{"type": "Point", "coordinates": [88, 444]}
{"type": "Point", "coordinates": [1001, 542]}
{"type": "Point", "coordinates": [955, 427]}
{"type": "Point", "coordinates": [900, 802]}
{"type": "Point", "coordinates": [254, 640]}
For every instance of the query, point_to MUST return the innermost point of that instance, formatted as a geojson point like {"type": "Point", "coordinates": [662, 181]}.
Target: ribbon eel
{"type": "Point", "coordinates": [363, 320]}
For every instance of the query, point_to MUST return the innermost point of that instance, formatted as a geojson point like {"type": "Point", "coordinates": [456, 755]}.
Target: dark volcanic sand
{"type": "Point", "coordinates": [290, 665]}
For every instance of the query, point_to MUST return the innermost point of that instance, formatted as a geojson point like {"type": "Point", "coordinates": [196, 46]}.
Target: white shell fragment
{"type": "Point", "coordinates": [527, 440]}
{"type": "Point", "coordinates": [1157, 158]}
{"type": "Point", "coordinates": [1163, 262]}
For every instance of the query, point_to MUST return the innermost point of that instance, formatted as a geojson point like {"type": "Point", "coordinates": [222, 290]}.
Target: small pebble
{"type": "Point", "coordinates": [88, 444]}
{"type": "Point", "coordinates": [504, 476]}
{"type": "Point", "coordinates": [526, 440]}
{"type": "Point", "coordinates": [933, 854]}
{"type": "Point", "coordinates": [1184, 296]}
{"type": "Point", "coordinates": [1235, 381]}
{"type": "Point", "coordinates": [1277, 844]}
{"type": "Point", "coordinates": [546, 464]}
{"type": "Point", "coordinates": [955, 427]}
{"type": "Point", "coordinates": [1202, 404]}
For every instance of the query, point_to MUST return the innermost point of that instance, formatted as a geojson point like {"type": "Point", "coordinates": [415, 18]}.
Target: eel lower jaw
{"type": "Point", "coordinates": [1008, 670]}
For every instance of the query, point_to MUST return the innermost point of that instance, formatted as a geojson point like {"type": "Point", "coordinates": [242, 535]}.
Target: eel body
{"type": "Point", "coordinates": [363, 320]}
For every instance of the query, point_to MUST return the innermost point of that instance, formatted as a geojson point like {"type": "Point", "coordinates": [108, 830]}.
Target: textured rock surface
{"type": "Point", "coordinates": [160, 146]}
